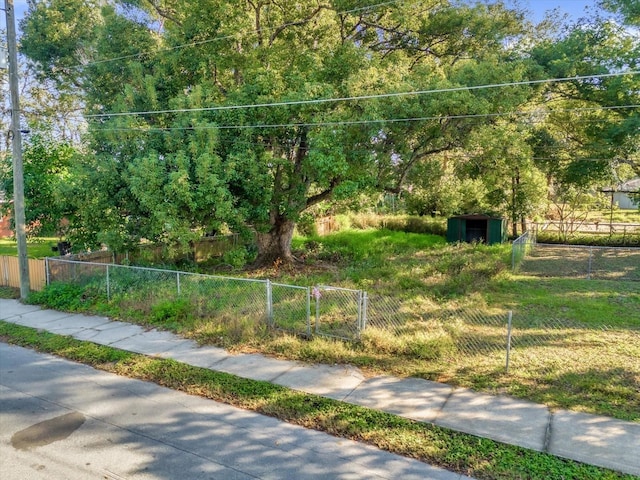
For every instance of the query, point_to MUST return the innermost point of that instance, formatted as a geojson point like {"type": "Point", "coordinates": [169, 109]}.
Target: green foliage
{"type": "Point", "coordinates": [69, 297]}
{"type": "Point", "coordinates": [586, 144]}
{"type": "Point", "coordinates": [628, 9]}
{"type": "Point", "coordinates": [371, 245]}
{"type": "Point", "coordinates": [171, 313]}
{"type": "Point", "coordinates": [46, 164]}
{"type": "Point", "coordinates": [615, 240]}
{"type": "Point", "coordinates": [167, 178]}
{"type": "Point", "coordinates": [514, 187]}
{"type": "Point", "coordinates": [306, 225]}
{"type": "Point", "coordinates": [401, 223]}
{"type": "Point", "coordinates": [9, 292]}
{"type": "Point", "coordinates": [237, 258]}
{"type": "Point", "coordinates": [437, 285]}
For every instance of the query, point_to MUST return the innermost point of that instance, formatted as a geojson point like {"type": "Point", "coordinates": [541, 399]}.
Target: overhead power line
{"type": "Point", "coordinates": [363, 97]}
{"type": "Point", "coordinates": [366, 122]}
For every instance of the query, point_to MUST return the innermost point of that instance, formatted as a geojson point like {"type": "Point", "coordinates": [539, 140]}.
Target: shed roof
{"type": "Point", "coordinates": [629, 186]}
{"type": "Point", "coordinates": [476, 216]}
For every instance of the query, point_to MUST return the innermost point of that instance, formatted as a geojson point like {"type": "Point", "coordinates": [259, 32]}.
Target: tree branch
{"type": "Point", "coordinates": [284, 26]}
{"type": "Point", "coordinates": [324, 195]}
{"type": "Point", "coordinates": [163, 13]}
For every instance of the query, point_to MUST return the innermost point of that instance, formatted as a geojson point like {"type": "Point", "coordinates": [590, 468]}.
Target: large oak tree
{"type": "Point", "coordinates": [197, 161]}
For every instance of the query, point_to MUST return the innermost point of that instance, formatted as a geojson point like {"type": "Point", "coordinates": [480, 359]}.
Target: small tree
{"type": "Point", "coordinates": [47, 165]}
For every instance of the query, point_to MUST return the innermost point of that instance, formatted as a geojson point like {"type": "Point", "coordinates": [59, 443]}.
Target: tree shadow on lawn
{"type": "Point", "coordinates": [611, 392]}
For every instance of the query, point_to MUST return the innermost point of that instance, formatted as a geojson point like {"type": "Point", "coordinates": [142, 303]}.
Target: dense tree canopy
{"type": "Point", "coordinates": [245, 113]}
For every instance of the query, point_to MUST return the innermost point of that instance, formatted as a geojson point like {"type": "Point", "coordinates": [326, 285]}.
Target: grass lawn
{"type": "Point", "coordinates": [619, 216]}
{"type": "Point", "coordinates": [591, 302]}
{"type": "Point", "coordinates": [36, 248]}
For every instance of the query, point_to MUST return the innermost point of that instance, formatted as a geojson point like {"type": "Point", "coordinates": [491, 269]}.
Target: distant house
{"type": "Point", "coordinates": [622, 194]}
{"type": "Point", "coordinates": [5, 222]}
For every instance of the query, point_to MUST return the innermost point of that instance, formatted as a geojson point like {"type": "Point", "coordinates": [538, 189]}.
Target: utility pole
{"type": "Point", "coordinates": [16, 141]}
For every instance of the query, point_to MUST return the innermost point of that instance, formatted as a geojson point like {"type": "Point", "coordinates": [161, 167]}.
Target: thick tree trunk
{"type": "Point", "coordinates": [275, 245]}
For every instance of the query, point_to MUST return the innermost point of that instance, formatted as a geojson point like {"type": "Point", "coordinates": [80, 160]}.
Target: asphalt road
{"type": "Point", "coordinates": [61, 420]}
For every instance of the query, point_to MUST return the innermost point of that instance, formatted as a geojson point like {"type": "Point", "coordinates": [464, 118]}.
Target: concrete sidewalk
{"type": "Point", "coordinates": [65, 420]}
{"type": "Point", "coordinates": [590, 439]}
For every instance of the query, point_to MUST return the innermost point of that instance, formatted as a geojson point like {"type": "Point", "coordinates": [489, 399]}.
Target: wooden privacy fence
{"type": "Point", "coordinates": [10, 273]}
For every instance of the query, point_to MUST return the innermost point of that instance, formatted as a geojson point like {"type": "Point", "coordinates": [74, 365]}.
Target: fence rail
{"type": "Point", "coordinates": [593, 228]}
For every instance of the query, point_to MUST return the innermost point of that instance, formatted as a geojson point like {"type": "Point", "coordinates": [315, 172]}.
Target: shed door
{"type": "Point", "coordinates": [476, 231]}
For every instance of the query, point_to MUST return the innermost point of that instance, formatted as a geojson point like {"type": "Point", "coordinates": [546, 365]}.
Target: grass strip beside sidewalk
{"type": "Point", "coordinates": [459, 452]}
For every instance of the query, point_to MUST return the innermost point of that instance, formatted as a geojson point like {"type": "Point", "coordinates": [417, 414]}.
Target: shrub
{"type": "Point", "coordinates": [171, 313]}
{"type": "Point", "coordinates": [237, 257]}
{"type": "Point", "coordinates": [65, 296]}
{"type": "Point", "coordinates": [365, 221]}
{"type": "Point", "coordinates": [306, 225]}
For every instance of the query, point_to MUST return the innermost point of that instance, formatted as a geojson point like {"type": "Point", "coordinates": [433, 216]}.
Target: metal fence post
{"type": "Point", "coordinates": [308, 311]}
{"type": "Point", "coordinates": [359, 314]}
{"type": "Point", "coordinates": [178, 281]}
{"type": "Point", "coordinates": [590, 263]}
{"type": "Point", "coordinates": [365, 304]}
{"type": "Point", "coordinates": [269, 303]}
{"type": "Point", "coordinates": [509, 323]}
{"type": "Point", "coordinates": [108, 285]}
{"type": "Point", "coordinates": [46, 270]}
{"type": "Point", "coordinates": [316, 291]}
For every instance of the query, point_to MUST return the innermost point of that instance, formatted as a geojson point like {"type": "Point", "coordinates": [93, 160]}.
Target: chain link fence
{"type": "Point", "coordinates": [452, 338]}
{"type": "Point", "coordinates": [576, 261]}
{"type": "Point", "coordinates": [320, 310]}
{"type": "Point", "coordinates": [521, 247]}
{"type": "Point", "coordinates": [448, 336]}
{"type": "Point", "coordinates": [336, 312]}
{"type": "Point", "coordinates": [565, 350]}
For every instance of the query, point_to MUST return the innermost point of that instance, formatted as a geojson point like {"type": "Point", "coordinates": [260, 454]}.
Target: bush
{"type": "Point", "coordinates": [171, 313]}
{"type": "Point", "coordinates": [65, 296]}
{"type": "Point", "coordinates": [413, 224]}
{"type": "Point", "coordinates": [306, 225]}
{"type": "Point", "coordinates": [237, 258]}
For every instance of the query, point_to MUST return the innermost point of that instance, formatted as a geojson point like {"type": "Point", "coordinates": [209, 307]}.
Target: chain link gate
{"type": "Point", "coordinates": [340, 312]}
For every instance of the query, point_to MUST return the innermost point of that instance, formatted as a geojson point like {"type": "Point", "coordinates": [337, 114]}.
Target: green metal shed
{"type": "Point", "coordinates": [476, 228]}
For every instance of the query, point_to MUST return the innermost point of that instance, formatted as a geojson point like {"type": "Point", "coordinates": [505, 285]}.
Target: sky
{"type": "Point", "coordinates": [574, 8]}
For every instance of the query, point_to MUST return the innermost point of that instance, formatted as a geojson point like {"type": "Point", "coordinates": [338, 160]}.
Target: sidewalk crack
{"type": "Point", "coordinates": [444, 404]}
